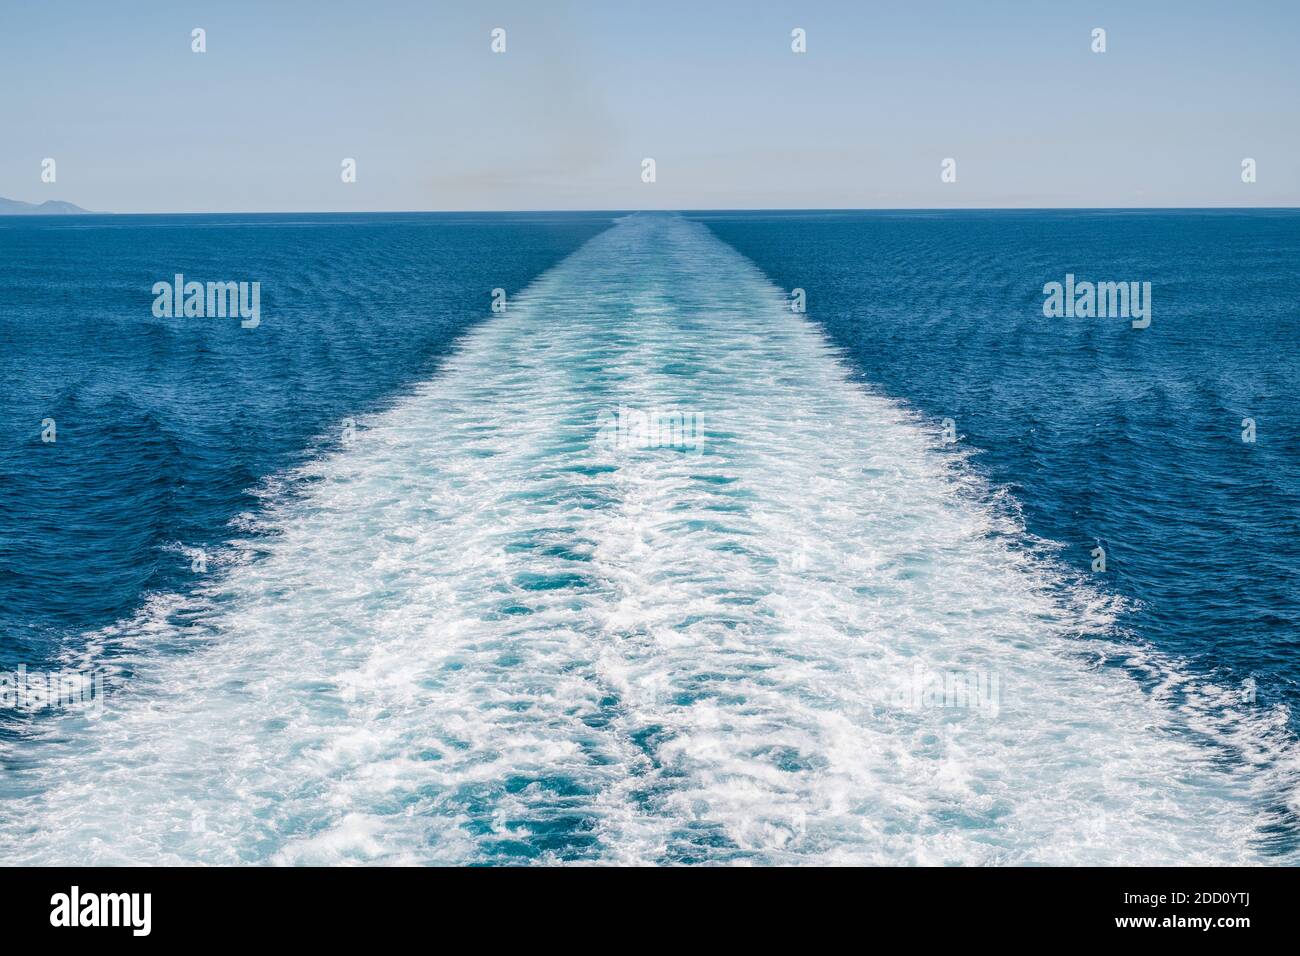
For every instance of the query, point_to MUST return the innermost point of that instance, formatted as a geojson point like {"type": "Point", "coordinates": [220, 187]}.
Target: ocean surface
{"type": "Point", "coordinates": [649, 567]}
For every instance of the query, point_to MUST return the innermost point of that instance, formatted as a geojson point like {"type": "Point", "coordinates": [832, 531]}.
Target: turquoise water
{"type": "Point", "coordinates": [495, 626]}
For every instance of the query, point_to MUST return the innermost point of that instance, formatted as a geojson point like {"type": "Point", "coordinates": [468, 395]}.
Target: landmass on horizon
{"type": "Point", "coordinates": [51, 207]}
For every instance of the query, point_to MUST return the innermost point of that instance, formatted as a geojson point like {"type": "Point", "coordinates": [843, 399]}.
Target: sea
{"type": "Point", "coordinates": [651, 538]}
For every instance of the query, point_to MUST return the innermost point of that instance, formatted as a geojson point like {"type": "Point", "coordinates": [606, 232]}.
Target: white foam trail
{"type": "Point", "coordinates": [483, 634]}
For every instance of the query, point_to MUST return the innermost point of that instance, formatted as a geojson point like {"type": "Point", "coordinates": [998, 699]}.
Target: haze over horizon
{"type": "Point", "coordinates": [562, 120]}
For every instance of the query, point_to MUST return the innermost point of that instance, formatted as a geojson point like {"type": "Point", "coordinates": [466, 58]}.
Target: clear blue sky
{"type": "Point", "coordinates": [710, 90]}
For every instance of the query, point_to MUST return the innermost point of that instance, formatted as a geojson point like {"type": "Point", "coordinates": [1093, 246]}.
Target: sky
{"type": "Point", "coordinates": [586, 90]}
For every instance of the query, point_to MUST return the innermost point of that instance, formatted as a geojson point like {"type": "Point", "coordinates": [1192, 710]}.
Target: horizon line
{"type": "Point", "coordinates": [631, 211]}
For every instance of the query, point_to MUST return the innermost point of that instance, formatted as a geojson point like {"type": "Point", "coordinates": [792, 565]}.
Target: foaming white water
{"type": "Point", "coordinates": [486, 633]}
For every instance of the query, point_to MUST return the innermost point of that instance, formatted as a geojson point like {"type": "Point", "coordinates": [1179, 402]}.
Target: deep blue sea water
{"type": "Point", "coordinates": [481, 629]}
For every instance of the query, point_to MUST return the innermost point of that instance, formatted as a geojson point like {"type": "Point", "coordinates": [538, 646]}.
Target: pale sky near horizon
{"type": "Point", "coordinates": [137, 122]}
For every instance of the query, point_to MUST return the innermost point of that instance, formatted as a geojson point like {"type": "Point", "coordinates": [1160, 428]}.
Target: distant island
{"type": "Point", "coordinates": [51, 207]}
